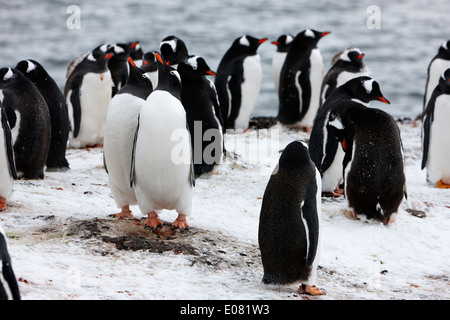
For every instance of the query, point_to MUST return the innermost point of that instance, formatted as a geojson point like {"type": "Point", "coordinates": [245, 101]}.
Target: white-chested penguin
{"type": "Point", "coordinates": [9, 287]}
{"type": "Point", "coordinates": [56, 160]}
{"type": "Point", "coordinates": [373, 166]}
{"type": "Point", "coordinates": [7, 165]}
{"type": "Point", "coordinates": [88, 92]}
{"type": "Point", "coordinates": [437, 65]}
{"type": "Point", "coordinates": [346, 65]}
{"type": "Point", "coordinates": [289, 222]}
{"type": "Point", "coordinates": [29, 120]}
{"type": "Point", "coordinates": [150, 66]}
{"type": "Point", "coordinates": [324, 147]}
{"type": "Point", "coordinates": [283, 44]}
{"type": "Point", "coordinates": [163, 168]}
{"type": "Point", "coordinates": [199, 98]}
{"type": "Point", "coordinates": [120, 128]}
{"type": "Point", "coordinates": [238, 81]}
{"type": "Point", "coordinates": [173, 50]}
{"type": "Point", "coordinates": [436, 134]}
{"type": "Point", "coordinates": [301, 80]}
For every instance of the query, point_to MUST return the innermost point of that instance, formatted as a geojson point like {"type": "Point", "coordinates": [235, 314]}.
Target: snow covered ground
{"type": "Point", "coordinates": [64, 246]}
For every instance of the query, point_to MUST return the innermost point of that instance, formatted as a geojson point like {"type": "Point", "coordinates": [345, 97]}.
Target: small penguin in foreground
{"type": "Point", "coordinates": [120, 128]}
{"type": "Point", "coordinates": [56, 160]}
{"type": "Point", "coordinates": [7, 166]}
{"type": "Point", "coordinates": [9, 287]}
{"type": "Point", "coordinates": [437, 65]}
{"type": "Point", "coordinates": [283, 44]}
{"type": "Point", "coordinates": [238, 81]}
{"type": "Point", "coordinates": [29, 120]}
{"type": "Point", "coordinates": [163, 173]}
{"type": "Point", "coordinates": [436, 134]}
{"type": "Point", "coordinates": [373, 165]}
{"type": "Point", "coordinates": [289, 224]}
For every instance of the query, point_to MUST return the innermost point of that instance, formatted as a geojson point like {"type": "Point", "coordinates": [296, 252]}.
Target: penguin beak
{"type": "Point", "coordinates": [145, 62]}
{"type": "Point", "coordinates": [132, 46]}
{"type": "Point", "coordinates": [131, 61]}
{"type": "Point", "coordinates": [108, 56]}
{"type": "Point", "coordinates": [211, 73]}
{"type": "Point", "coordinates": [384, 100]}
{"type": "Point", "coordinates": [275, 43]}
{"type": "Point", "coordinates": [361, 56]}
{"type": "Point", "coordinates": [262, 40]}
{"type": "Point", "coordinates": [323, 34]}
{"type": "Point", "coordinates": [158, 57]}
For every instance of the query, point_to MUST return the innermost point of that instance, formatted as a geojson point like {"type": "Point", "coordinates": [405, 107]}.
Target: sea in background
{"type": "Point", "coordinates": [397, 53]}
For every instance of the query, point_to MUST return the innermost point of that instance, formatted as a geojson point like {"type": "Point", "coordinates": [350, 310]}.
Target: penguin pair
{"type": "Point", "coordinates": [9, 288]}
{"type": "Point", "coordinates": [301, 80]}
{"type": "Point", "coordinates": [324, 145]}
{"type": "Point", "coordinates": [289, 224]}
{"type": "Point", "coordinates": [436, 133]}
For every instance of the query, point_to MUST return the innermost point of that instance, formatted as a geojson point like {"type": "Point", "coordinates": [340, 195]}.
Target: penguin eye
{"type": "Point", "coordinates": [174, 73]}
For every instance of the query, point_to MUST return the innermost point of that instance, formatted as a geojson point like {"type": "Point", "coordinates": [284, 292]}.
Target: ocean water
{"type": "Point", "coordinates": [399, 42]}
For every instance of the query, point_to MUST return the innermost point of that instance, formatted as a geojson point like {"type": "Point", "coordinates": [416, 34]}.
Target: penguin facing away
{"type": "Point", "coordinates": [238, 81]}
{"type": "Point", "coordinates": [289, 223]}
{"type": "Point", "coordinates": [283, 44]}
{"type": "Point", "coordinates": [56, 160]}
{"type": "Point", "coordinates": [150, 66]}
{"type": "Point", "coordinates": [324, 147]}
{"type": "Point", "coordinates": [301, 80]}
{"type": "Point", "coordinates": [88, 91]}
{"type": "Point", "coordinates": [29, 120]}
{"type": "Point", "coordinates": [199, 98]}
{"type": "Point", "coordinates": [373, 166]}
{"type": "Point", "coordinates": [163, 174]}
{"type": "Point", "coordinates": [173, 50]}
{"type": "Point", "coordinates": [435, 134]}
{"type": "Point", "coordinates": [7, 166]}
{"type": "Point", "coordinates": [437, 65]}
{"type": "Point", "coordinates": [9, 288]}
{"type": "Point", "coordinates": [120, 128]}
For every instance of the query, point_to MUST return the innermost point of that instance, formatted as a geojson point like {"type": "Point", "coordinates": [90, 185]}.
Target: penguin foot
{"type": "Point", "coordinates": [350, 214]}
{"type": "Point", "coordinates": [152, 221]}
{"type": "Point", "coordinates": [337, 192]}
{"type": "Point", "coordinates": [180, 222]}
{"type": "Point", "coordinates": [2, 204]}
{"type": "Point", "coordinates": [388, 220]}
{"type": "Point", "coordinates": [442, 185]}
{"type": "Point", "coordinates": [310, 290]}
{"type": "Point", "coordinates": [124, 214]}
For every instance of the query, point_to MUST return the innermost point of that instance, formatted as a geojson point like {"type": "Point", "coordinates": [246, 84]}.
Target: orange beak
{"type": "Point", "coordinates": [275, 43]}
{"type": "Point", "coordinates": [131, 61]}
{"type": "Point", "coordinates": [159, 58]}
{"type": "Point", "coordinates": [384, 100]}
{"type": "Point", "coordinates": [108, 56]}
{"type": "Point", "coordinates": [211, 73]}
{"type": "Point", "coordinates": [262, 40]}
{"type": "Point", "coordinates": [134, 45]}
{"type": "Point", "coordinates": [361, 56]}
{"type": "Point", "coordinates": [323, 34]}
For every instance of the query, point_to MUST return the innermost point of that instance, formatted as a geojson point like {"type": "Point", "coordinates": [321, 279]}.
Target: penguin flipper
{"type": "Point", "coordinates": [310, 216]}
{"type": "Point", "coordinates": [234, 86]}
{"type": "Point", "coordinates": [8, 273]}
{"type": "Point", "coordinates": [427, 120]}
{"type": "Point", "coordinates": [133, 154]}
{"type": "Point", "coordinates": [76, 105]}
{"type": "Point", "coordinates": [8, 143]}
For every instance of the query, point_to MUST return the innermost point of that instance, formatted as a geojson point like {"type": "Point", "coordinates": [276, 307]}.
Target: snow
{"type": "Point", "coordinates": [361, 259]}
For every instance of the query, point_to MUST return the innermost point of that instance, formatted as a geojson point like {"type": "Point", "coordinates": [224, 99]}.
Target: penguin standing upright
{"type": "Point", "coordinates": [7, 166]}
{"type": "Point", "coordinates": [437, 65]}
{"type": "Point", "coordinates": [150, 66]}
{"type": "Point", "coordinates": [173, 50]}
{"type": "Point", "coordinates": [283, 44]}
{"type": "Point", "coordinates": [238, 81]}
{"type": "Point", "coordinates": [9, 288]}
{"type": "Point", "coordinates": [56, 160]}
{"type": "Point", "coordinates": [120, 128]}
{"type": "Point", "coordinates": [88, 92]}
{"type": "Point", "coordinates": [199, 99]}
{"type": "Point", "coordinates": [346, 65]}
{"type": "Point", "coordinates": [163, 169]}
{"type": "Point", "coordinates": [436, 133]}
{"type": "Point", "coordinates": [29, 120]}
{"type": "Point", "coordinates": [324, 147]}
{"type": "Point", "coordinates": [289, 223]}
{"type": "Point", "coordinates": [301, 80]}
{"type": "Point", "coordinates": [136, 53]}
{"type": "Point", "coordinates": [373, 165]}
{"type": "Point", "coordinates": [118, 65]}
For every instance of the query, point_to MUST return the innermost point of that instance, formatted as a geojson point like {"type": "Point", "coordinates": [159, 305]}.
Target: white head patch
{"type": "Point", "coordinates": [444, 45]}
{"type": "Point", "coordinates": [171, 43]}
{"type": "Point", "coordinates": [344, 55]}
{"type": "Point", "coordinates": [309, 33]}
{"type": "Point", "coordinates": [118, 49]}
{"type": "Point", "coordinates": [368, 85]}
{"type": "Point", "coordinates": [175, 73]}
{"type": "Point", "coordinates": [91, 57]}
{"type": "Point", "coordinates": [8, 75]}
{"type": "Point", "coordinates": [104, 47]}
{"type": "Point", "coordinates": [289, 38]}
{"type": "Point", "coordinates": [244, 41]}
{"type": "Point", "coordinates": [192, 61]}
{"type": "Point", "coordinates": [31, 66]}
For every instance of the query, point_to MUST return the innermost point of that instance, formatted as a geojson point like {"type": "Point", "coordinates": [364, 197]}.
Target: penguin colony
{"type": "Point", "coordinates": [162, 121]}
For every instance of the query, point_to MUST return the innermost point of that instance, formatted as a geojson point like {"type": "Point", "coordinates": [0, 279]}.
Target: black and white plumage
{"type": "Point", "coordinates": [283, 44]}
{"type": "Point", "coordinates": [136, 53]}
{"type": "Point", "coordinates": [436, 134]}
{"type": "Point", "coordinates": [238, 81]}
{"type": "Point", "coordinates": [437, 65]}
{"type": "Point", "coordinates": [56, 160]}
{"type": "Point", "coordinates": [289, 223]}
{"type": "Point", "coordinates": [7, 165]}
{"type": "Point", "coordinates": [173, 50]}
{"type": "Point", "coordinates": [9, 287]}
{"type": "Point", "coordinates": [324, 145]}
{"type": "Point", "coordinates": [150, 66]}
{"type": "Point", "coordinates": [118, 65]}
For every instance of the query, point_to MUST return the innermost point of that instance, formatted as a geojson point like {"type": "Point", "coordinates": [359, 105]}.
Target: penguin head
{"type": "Point", "coordinates": [194, 67]}
{"type": "Point", "coordinates": [120, 51]}
{"type": "Point", "coordinates": [444, 81]}
{"type": "Point", "coordinates": [173, 50]}
{"type": "Point", "coordinates": [311, 37]}
{"type": "Point", "coordinates": [99, 58]}
{"type": "Point", "coordinates": [31, 69]}
{"type": "Point", "coordinates": [135, 51]}
{"type": "Point", "coordinates": [9, 77]}
{"type": "Point", "coordinates": [168, 77]}
{"type": "Point", "coordinates": [283, 42]}
{"type": "Point", "coordinates": [364, 89]}
{"type": "Point", "coordinates": [294, 156]}
{"type": "Point", "coordinates": [247, 44]}
{"type": "Point", "coordinates": [444, 50]}
{"type": "Point", "coordinates": [149, 62]}
{"type": "Point", "coordinates": [350, 56]}
{"type": "Point", "coordinates": [138, 76]}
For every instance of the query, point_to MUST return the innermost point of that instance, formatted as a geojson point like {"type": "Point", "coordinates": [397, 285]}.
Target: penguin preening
{"type": "Point", "coordinates": [289, 223]}
{"type": "Point", "coordinates": [88, 91]}
{"type": "Point", "coordinates": [373, 165]}
{"type": "Point", "coordinates": [173, 50]}
{"type": "Point", "coordinates": [9, 287]}
{"type": "Point", "coordinates": [238, 81]}
{"type": "Point", "coordinates": [29, 120]}
{"type": "Point", "coordinates": [324, 147]}
{"type": "Point", "coordinates": [120, 128]}
{"type": "Point", "coordinates": [437, 65]}
{"type": "Point", "coordinates": [436, 133]}
{"type": "Point", "coordinates": [283, 44]}
{"type": "Point", "coordinates": [301, 80]}
{"type": "Point", "coordinates": [163, 174]}
{"type": "Point", "coordinates": [56, 160]}
{"type": "Point", "coordinates": [7, 166]}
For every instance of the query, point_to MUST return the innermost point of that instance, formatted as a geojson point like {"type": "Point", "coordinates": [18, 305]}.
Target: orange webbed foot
{"type": "Point", "coordinates": [124, 214]}
{"type": "Point", "coordinates": [441, 185]}
{"type": "Point", "coordinates": [152, 221]}
{"type": "Point", "coordinates": [2, 204]}
{"type": "Point", "coordinates": [180, 222]}
{"type": "Point", "coordinates": [311, 290]}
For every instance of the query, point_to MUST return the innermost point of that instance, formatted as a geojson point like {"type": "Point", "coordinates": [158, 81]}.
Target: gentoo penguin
{"type": "Point", "coordinates": [120, 128]}
{"type": "Point", "coordinates": [136, 53]}
{"type": "Point", "coordinates": [301, 80]}
{"type": "Point", "coordinates": [436, 133]}
{"type": "Point", "coordinates": [150, 66]}
{"type": "Point", "coordinates": [238, 81]}
{"type": "Point", "coordinates": [283, 44]}
{"type": "Point", "coordinates": [324, 147]}
{"type": "Point", "coordinates": [29, 120]}
{"type": "Point", "coordinates": [88, 92]}
{"type": "Point", "coordinates": [289, 222]}
{"type": "Point", "coordinates": [163, 170]}
{"type": "Point", "coordinates": [56, 160]}
{"type": "Point", "coordinates": [9, 288]}
{"type": "Point", "coordinates": [437, 65]}
{"type": "Point", "coordinates": [173, 50]}
{"type": "Point", "coordinates": [7, 166]}
{"type": "Point", "coordinates": [373, 166]}
{"type": "Point", "coordinates": [118, 65]}
{"type": "Point", "coordinates": [346, 65]}
{"type": "Point", "coordinates": [199, 98]}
